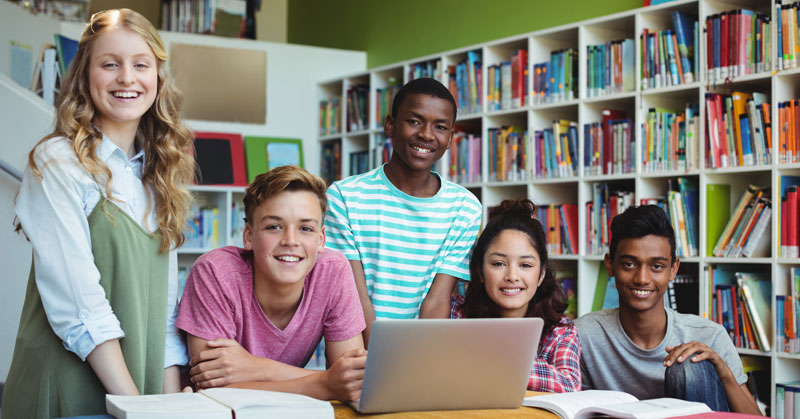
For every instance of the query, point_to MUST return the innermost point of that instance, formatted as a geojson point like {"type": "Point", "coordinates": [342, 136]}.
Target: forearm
{"type": "Point", "coordinates": [172, 380]}
{"type": "Point", "coordinates": [363, 297]}
{"type": "Point", "coordinates": [435, 307]}
{"type": "Point", "coordinates": [549, 378]}
{"type": "Point", "coordinates": [739, 398]}
{"type": "Point", "coordinates": [311, 385]}
{"type": "Point", "coordinates": [108, 364]}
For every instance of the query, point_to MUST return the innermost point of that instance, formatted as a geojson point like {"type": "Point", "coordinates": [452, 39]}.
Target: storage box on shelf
{"type": "Point", "coordinates": [657, 144]}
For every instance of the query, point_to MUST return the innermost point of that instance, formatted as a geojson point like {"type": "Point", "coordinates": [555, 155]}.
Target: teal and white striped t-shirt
{"type": "Point", "coordinates": [401, 240]}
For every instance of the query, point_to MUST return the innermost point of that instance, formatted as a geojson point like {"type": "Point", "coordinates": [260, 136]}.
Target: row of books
{"type": "Point", "coordinates": [462, 161]}
{"type": "Point", "coordinates": [607, 201]}
{"type": "Point", "coordinates": [556, 150]}
{"type": "Point", "coordinates": [788, 34]}
{"type": "Point", "coordinates": [746, 226]}
{"type": "Point", "coordinates": [610, 68]}
{"type": "Point", "coordinates": [383, 102]}
{"type": "Point", "coordinates": [508, 154]}
{"type": "Point", "coordinates": [738, 129]}
{"type": "Point", "coordinates": [357, 117]}
{"type": "Point", "coordinates": [556, 80]}
{"type": "Point", "coordinates": [237, 221]}
{"type": "Point", "coordinates": [330, 119]}
{"type": "Point", "coordinates": [330, 165]}
{"type": "Point", "coordinates": [789, 236]}
{"type": "Point", "coordinates": [671, 140]}
{"type": "Point", "coordinates": [789, 132]}
{"type": "Point", "coordinates": [742, 308]}
{"type": "Point", "coordinates": [609, 145]}
{"type": "Point", "coordinates": [382, 150]}
{"type": "Point", "coordinates": [787, 322]}
{"type": "Point", "coordinates": [737, 44]}
{"type": "Point", "coordinates": [682, 208]}
{"type": "Point", "coordinates": [359, 162]}
{"type": "Point", "coordinates": [507, 86]}
{"type": "Point", "coordinates": [787, 316]}
{"type": "Point", "coordinates": [787, 400]}
{"type": "Point", "coordinates": [560, 222]}
{"type": "Point", "coordinates": [429, 69]}
{"type": "Point", "coordinates": [668, 56]}
{"type": "Point", "coordinates": [203, 231]}
{"type": "Point", "coordinates": [218, 17]}
{"type": "Point", "coordinates": [465, 83]}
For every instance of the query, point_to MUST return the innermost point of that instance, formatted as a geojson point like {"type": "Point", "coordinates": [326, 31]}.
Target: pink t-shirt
{"type": "Point", "coordinates": [218, 302]}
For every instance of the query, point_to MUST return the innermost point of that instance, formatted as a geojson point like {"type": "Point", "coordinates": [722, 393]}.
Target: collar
{"type": "Point", "coordinates": [107, 148]}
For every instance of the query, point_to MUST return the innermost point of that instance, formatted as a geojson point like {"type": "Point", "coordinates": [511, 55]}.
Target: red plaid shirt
{"type": "Point", "coordinates": [557, 368]}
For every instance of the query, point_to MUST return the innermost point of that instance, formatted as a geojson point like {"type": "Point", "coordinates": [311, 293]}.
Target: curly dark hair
{"type": "Point", "coordinates": [549, 302]}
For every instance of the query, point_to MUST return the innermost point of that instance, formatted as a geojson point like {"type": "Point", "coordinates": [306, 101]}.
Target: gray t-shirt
{"type": "Point", "coordinates": [611, 361]}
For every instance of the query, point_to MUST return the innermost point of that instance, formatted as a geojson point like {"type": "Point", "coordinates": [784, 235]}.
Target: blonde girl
{"type": "Point", "coordinates": [103, 202]}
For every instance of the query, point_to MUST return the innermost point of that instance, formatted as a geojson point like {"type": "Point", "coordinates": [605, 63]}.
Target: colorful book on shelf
{"type": "Point", "coordinates": [330, 120]}
{"type": "Point", "coordinates": [789, 132]}
{"type": "Point", "coordinates": [556, 150]}
{"type": "Point", "coordinates": [788, 236]}
{"type": "Point", "coordinates": [667, 56]}
{"type": "Point", "coordinates": [743, 224]}
{"type": "Point", "coordinates": [737, 129]}
{"type": "Point", "coordinates": [610, 67]}
{"type": "Point", "coordinates": [357, 107]}
{"type": "Point", "coordinates": [737, 42]}
{"type": "Point", "coordinates": [461, 163]}
{"type": "Point", "coordinates": [755, 293]}
{"type": "Point", "coordinates": [429, 69]}
{"type": "Point", "coordinates": [560, 222]}
{"type": "Point", "coordinates": [330, 167]}
{"type": "Point", "coordinates": [556, 80]}
{"type": "Point", "coordinates": [508, 154]}
{"type": "Point", "coordinates": [670, 140]}
{"type": "Point", "coordinates": [383, 102]}
{"type": "Point", "coordinates": [359, 162]}
{"type": "Point", "coordinates": [519, 78]}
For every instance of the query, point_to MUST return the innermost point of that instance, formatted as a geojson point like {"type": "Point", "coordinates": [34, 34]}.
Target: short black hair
{"type": "Point", "coordinates": [637, 222]}
{"type": "Point", "coordinates": [427, 86]}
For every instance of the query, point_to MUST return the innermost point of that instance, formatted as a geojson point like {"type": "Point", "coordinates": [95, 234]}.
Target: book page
{"type": "Point", "coordinates": [567, 405]}
{"type": "Point", "coordinates": [648, 409]}
{"type": "Point", "coordinates": [190, 405]}
{"type": "Point", "coordinates": [245, 402]}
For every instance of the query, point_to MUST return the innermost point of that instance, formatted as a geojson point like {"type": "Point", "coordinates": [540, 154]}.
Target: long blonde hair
{"type": "Point", "coordinates": [169, 163]}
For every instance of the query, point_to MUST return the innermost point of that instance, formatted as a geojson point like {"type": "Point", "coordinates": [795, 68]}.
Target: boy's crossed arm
{"type": "Point", "coordinates": [223, 362]}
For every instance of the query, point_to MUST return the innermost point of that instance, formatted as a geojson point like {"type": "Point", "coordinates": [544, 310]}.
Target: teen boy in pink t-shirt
{"type": "Point", "coordinates": [254, 316]}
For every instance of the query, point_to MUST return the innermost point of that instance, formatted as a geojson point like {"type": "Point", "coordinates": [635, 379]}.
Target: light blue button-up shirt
{"type": "Point", "coordinates": [53, 211]}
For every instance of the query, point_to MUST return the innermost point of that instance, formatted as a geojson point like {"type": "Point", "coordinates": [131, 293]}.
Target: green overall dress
{"type": "Point", "coordinates": [46, 380]}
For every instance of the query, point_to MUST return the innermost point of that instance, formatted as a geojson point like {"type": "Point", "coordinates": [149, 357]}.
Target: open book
{"type": "Point", "coordinates": [218, 403]}
{"type": "Point", "coordinates": [590, 403]}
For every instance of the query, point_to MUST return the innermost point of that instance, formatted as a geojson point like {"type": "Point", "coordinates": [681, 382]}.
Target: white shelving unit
{"type": "Point", "coordinates": [221, 197]}
{"type": "Point", "coordinates": [780, 85]}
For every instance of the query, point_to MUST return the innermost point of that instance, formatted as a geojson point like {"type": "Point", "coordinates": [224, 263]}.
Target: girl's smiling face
{"type": "Point", "coordinates": [123, 78]}
{"type": "Point", "coordinates": [512, 272]}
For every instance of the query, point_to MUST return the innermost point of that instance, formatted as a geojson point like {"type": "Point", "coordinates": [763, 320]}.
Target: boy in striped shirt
{"type": "Point", "coordinates": [406, 231]}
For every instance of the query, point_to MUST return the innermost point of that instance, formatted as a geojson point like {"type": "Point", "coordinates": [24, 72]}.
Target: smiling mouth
{"type": "Point", "coordinates": [421, 149]}
{"type": "Point", "coordinates": [290, 259]}
{"type": "Point", "coordinates": [125, 95]}
{"type": "Point", "coordinates": [642, 293]}
{"type": "Point", "coordinates": [510, 291]}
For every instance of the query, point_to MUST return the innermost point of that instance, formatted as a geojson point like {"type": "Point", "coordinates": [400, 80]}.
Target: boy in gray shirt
{"type": "Point", "coordinates": [641, 347]}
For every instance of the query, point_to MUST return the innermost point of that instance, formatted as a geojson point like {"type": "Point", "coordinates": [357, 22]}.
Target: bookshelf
{"type": "Point", "coordinates": [636, 102]}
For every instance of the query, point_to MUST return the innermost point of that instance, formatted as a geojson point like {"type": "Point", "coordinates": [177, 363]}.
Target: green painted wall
{"type": "Point", "coordinates": [392, 31]}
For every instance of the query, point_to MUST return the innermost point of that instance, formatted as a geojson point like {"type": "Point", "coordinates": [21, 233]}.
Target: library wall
{"type": "Point", "coordinates": [392, 31]}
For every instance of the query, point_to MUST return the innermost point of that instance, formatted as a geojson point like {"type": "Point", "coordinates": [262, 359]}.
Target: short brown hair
{"type": "Point", "coordinates": [280, 179]}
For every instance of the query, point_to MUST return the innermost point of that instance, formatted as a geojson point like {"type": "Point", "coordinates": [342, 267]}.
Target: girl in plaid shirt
{"type": "Point", "coordinates": [511, 277]}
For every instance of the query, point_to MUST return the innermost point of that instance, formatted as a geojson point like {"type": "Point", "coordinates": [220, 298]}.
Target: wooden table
{"type": "Point", "coordinates": [344, 411]}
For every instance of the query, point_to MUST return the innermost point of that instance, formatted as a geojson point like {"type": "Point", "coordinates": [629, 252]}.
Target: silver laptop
{"type": "Point", "coordinates": [448, 364]}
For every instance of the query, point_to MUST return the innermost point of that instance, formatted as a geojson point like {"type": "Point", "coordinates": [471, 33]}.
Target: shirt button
{"type": "Point", "coordinates": [128, 169]}
{"type": "Point", "coordinates": [83, 314]}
